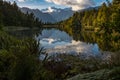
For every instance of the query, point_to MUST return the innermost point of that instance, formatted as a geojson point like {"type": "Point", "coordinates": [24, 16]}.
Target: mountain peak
{"type": "Point", "coordinates": [49, 10]}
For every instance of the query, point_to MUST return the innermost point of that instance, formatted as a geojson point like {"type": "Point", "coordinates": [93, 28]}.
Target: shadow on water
{"type": "Point", "coordinates": [24, 33]}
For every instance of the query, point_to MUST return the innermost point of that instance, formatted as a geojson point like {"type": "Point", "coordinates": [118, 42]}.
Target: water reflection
{"type": "Point", "coordinates": [24, 33]}
{"type": "Point", "coordinates": [56, 41]}
{"type": "Point", "coordinates": [105, 41]}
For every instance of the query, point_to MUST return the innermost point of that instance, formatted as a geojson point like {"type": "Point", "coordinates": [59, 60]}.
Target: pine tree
{"type": "Point", "coordinates": [102, 18]}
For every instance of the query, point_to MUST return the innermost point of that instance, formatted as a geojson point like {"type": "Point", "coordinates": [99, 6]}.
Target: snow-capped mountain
{"type": "Point", "coordinates": [50, 14]}
{"type": "Point", "coordinates": [59, 14]}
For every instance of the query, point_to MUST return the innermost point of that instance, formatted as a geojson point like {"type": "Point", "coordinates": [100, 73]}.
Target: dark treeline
{"type": "Point", "coordinates": [106, 17]}
{"type": "Point", "coordinates": [10, 15]}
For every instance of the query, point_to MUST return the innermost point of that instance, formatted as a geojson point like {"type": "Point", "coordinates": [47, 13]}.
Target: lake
{"type": "Point", "coordinates": [56, 41]}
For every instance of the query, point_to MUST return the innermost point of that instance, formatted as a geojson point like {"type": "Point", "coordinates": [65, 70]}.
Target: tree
{"type": "Point", "coordinates": [15, 5]}
{"type": "Point", "coordinates": [103, 17]}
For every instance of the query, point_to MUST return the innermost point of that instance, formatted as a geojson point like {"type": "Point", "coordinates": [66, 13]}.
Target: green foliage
{"type": "Point", "coordinates": [6, 41]}
{"type": "Point", "coordinates": [18, 58]}
{"type": "Point", "coordinates": [25, 66]}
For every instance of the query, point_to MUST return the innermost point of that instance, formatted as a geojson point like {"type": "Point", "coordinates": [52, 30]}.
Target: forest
{"type": "Point", "coordinates": [19, 58]}
{"type": "Point", "coordinates": [104, 17]}
{"type": "Point", "coordinates": [10, 15]}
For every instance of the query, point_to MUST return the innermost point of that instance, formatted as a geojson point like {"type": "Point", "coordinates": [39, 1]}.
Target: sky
{"type": "Point", "coordinates": [74, 4]}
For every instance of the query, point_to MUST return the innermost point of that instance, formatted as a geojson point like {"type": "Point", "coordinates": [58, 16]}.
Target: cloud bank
{"type": "Point", "coordinates": [75, 4]}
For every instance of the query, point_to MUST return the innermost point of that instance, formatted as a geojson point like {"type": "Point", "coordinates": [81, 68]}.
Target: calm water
{"type": "Point", "coordinates": [97, 41]}
{"type": "Point", "coordinates": [56, 41]}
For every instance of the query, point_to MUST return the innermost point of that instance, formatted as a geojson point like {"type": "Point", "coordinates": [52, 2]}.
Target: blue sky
{"type": "Point", "coordinates": [41, 4]}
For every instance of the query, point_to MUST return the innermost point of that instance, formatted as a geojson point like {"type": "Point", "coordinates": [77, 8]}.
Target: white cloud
{"type": "Point", "coordinates": [75, 4]}
{"type": "Point", "coordinates": [21, 0]}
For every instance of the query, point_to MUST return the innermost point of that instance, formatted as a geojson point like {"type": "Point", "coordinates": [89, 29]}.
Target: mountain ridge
{"type": "Point", "coordinates": [49, 17]}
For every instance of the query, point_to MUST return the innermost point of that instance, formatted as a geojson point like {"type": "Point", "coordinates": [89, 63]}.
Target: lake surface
{"type": "Point", "coordinates": [56, 41]}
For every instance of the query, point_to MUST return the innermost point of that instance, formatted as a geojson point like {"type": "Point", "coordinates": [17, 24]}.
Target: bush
{"type": "Point", "coordinates": [19, 59]}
